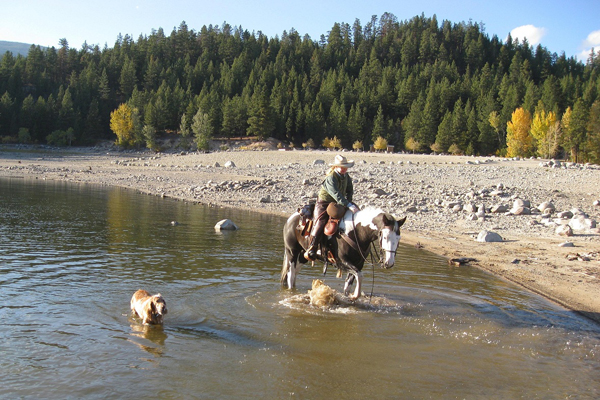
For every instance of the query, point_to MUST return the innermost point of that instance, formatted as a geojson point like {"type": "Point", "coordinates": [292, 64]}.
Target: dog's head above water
{"type": "Point", "coordinates": [158, 308]}
{"type": "Point", "coordinates": [151, 309]}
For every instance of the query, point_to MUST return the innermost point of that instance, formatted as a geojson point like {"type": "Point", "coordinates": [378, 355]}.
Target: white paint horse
{"type": "Point", "coordinates": [349, 247]}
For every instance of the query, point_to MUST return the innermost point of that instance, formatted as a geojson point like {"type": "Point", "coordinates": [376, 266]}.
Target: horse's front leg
{"type": "Point", "coordinates": [353, 276]}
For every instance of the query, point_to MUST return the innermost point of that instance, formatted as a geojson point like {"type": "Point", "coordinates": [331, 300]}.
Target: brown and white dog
{"type": "Point", "coordinates": [150, 309]}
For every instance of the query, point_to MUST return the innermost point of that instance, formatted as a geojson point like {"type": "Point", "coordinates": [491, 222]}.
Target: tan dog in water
{"type": "Point", "coordinates": [150, 309]}
{"type": "Point", "coordinates": [322, 295]}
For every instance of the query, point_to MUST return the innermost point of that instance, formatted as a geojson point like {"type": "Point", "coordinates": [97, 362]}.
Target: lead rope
{"type": "Point", "coordinates": [365, 258]}
{"type": "Point", "coordinates": [373, 268]}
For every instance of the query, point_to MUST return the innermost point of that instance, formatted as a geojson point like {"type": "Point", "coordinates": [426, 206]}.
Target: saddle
{"type": "Point", "coordinates": [335, 212]}
{"type": "Point", "coordinates": [306, 222]}
{"type": "Point", "coordinates": [332, 226]}
{"type": "Point", "coordinates": [306, 219]}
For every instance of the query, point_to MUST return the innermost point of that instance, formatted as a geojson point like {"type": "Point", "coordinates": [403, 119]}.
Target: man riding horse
{"type": "Point", "coordinates": [335, 195]}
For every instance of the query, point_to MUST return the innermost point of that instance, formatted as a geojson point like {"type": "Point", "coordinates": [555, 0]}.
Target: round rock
{"type": "Point", "coordinates": [487, 236]}
{"type": "Point", "coordinates": [226, 225]}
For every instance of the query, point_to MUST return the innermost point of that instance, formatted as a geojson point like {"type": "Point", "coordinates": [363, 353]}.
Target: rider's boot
{"type": "Point", "coordinates": [315, 236]}
{"type": "Point", "coordinates": [311, 252]}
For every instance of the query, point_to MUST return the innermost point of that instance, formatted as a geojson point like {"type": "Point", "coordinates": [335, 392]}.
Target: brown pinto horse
{"type": "Point", "coordinates": [347, 249]}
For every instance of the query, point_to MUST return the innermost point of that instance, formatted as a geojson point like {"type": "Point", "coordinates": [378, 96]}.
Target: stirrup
{"type": "Point", "coordinates": [308, 256]}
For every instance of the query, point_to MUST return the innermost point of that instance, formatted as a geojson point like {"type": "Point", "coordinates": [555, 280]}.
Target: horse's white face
{"type": "Point", "coordinates": [390, 238]}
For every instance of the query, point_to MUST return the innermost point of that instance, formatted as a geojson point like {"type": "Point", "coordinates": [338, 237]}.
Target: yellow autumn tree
{"type": "Point", "coordinates": [122, 124]}
{"type": "Point", "coordinates": [412, 145]}
{"type": "Point", "coordinates": [545, 137]}
{"type": "Point", "coordinates": [519, 141]}
{"type": "Point", "coordinates": [380, 143]}
{"type": "Point", "coordinates": [335, 143]}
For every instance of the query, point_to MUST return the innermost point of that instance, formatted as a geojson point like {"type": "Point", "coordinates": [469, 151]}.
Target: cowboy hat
{"type": "Point", "coordinates": [341, 161]}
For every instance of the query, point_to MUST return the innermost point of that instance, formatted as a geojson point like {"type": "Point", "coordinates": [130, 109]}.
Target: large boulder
{"type": "Point", "coordinates": [226, 225]}
{"type": "Point", "coordinates": [521, 203]}
{"type": "Point", "coordinates": [581, 223]}
{"type": "Point", "coordinates": [487, 236]}
{"type": "Point", "coordinates": [499, 209]}
{"type": "Point", "coordinates": [546, 208]}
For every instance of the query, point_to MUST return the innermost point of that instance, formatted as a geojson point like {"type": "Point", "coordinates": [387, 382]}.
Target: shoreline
{"type": "Point", "coordinates": [425, 188]}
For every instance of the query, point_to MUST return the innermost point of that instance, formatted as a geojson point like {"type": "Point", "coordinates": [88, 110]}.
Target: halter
{"type": "Point", "coordinates": [381, 249]}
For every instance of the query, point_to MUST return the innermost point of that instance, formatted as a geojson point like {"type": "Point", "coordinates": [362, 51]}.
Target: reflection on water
{"type": "Point", "coordinates": [71, 256]}
{"type": "Point", "coordinates": [152, 337]}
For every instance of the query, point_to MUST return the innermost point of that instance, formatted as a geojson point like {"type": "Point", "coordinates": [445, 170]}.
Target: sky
{"type": "Point", "coordinates": [569, 26]}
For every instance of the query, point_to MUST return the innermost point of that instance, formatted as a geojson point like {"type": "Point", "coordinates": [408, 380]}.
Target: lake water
{"type": "Point", "coordinates": [71, 256]}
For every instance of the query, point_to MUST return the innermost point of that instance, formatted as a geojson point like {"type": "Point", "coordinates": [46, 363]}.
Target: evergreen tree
{"type": "Point", "coordinates": [472, 131]}
{"type": "Point", "coordinates": [356, 124]}
{"type": "Point", "coordinates": [128, 79]}
{"type": "Point", "coordinates": [459, 126]}
{"type": "Point", "coordinates": [337, 122]}
{"type": "Point", "coordinates": [27, 115]}
{"type": "Point", "coordinates": [593, 133]}
{"type": "Point", "coordinates": [66, 113]}
{"type": "Point", "coordinates": [489, 136]}
{"type": "Point", "coordinates": [575, 132]}
{"type": "Point", "coordinates": [444, 136]}
{"type": "Point", "coordinates": [379, 127]}
{"type": "Point", "coordinates": [235, 117]}
{"type": "Point", "coordinates": [397, 77]}
{"type": "Point", "coordinates": [203, 130]}
{"type": "Point", "coordinates": [429, 117]}
{"type": "Point", "coordinates": [93, 127]}
{"type": "Point", "coordinates": [412, 122]}
{"type": "Point", "coordinates": [260, 121]}
{"type": "Point", "coordinates": [7, 116]}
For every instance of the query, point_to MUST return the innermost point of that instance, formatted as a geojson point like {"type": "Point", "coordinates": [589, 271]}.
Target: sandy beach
{"type": "Point", "coordinates": [448, 201]}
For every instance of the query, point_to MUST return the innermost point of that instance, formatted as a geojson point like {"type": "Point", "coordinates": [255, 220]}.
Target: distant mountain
{"type": "Point", "coordinates": [14, 47]}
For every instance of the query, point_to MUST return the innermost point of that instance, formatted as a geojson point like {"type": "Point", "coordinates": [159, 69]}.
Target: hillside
{"type": "Point", "coordinates": [421, 85]}
{"type": "Point", "coordinates": [14, 47]}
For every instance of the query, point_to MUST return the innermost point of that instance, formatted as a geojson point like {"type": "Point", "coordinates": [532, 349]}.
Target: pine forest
{"type": "Point", "coordinates": [419, 85]}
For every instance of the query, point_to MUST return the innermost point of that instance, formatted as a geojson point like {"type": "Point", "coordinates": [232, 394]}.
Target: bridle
{"type": "Point", "coordinates": [371, 244]}
{"type": "Point", "coordinates": [382, 250]}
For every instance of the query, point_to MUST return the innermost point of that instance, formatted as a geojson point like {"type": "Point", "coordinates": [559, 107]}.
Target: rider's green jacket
{"type": "Point", "coordinates": [337, 188]}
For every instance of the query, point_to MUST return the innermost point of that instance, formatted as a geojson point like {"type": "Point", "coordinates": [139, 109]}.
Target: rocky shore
{"type": "Point", "coordinates": [532, 222]}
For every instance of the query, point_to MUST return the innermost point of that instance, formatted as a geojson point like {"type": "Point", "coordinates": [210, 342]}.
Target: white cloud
{"type": "Point", "coordinates": [592, 40]}
{"type": "Point", "coordinates": [583, 55]}
{"type": "Point", "coordinates": [533, 34]}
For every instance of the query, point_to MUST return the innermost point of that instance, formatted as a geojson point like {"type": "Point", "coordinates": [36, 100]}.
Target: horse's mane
{"type": "Point", "coordinates": [363, 217]}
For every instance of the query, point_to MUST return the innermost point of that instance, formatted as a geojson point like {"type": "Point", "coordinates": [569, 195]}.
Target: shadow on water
{"type": "Point", "coordinates": [224, 334]}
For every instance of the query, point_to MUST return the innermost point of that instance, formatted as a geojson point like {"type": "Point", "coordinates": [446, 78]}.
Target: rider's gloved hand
{"type": "Point", "coordinates": [353, 208]}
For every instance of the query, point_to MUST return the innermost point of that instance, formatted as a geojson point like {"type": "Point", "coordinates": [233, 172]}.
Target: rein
{"type": "Point", "coordinates": [354, 244]}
